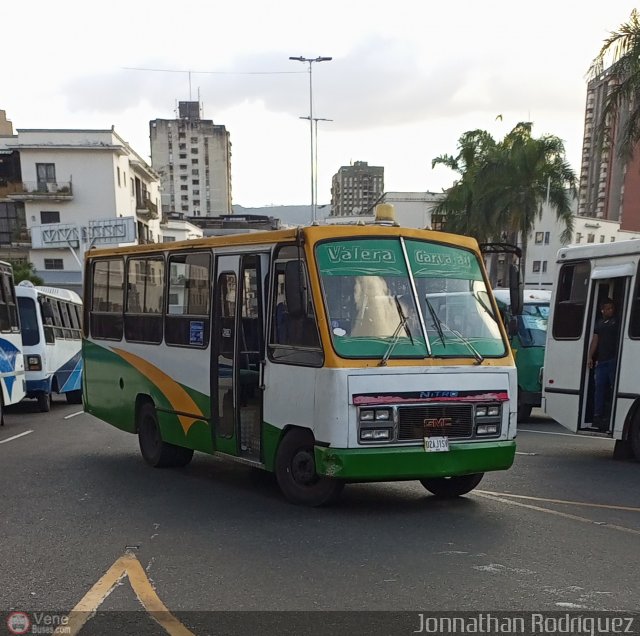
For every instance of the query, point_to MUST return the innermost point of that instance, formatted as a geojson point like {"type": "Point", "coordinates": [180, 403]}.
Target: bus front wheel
{"type": "Point", "coordinates": [634, 437]}
{"type": "Point", "coordinates": [449, 487]}
{"type": "Point", "coordinates": [44, 402]}
{"type": "Point", "coordinates": [296, 472]}
{"type": "Point", "coordinates": [524, 412]}
{"type": "Point", "coordinates": [157, 453]}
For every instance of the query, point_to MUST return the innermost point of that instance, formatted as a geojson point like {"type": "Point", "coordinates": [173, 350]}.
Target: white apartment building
{"type": "Point", "coordinates": [76, 180]}
{"type": "Point", "coordinates": [544, 243]}
{"type": "Point", "coordinates": [193, 158]}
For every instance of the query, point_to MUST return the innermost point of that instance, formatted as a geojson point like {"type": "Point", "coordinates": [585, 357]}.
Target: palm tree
{"type": "Point", "coordinates": [463, 206]}
{"type": "Point", "coordinates": [504, 185]}
{"type": "Point", "coordinates": [619, 57]}
{"type": "Point", "coordinates": [529, 172]}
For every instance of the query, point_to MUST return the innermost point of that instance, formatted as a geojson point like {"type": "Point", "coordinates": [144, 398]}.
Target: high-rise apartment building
{"type": "Point", "coordinates": [355, 189]}
{"type": "Point", "coordinates": [609, 184]}
{"type": "Point", "coordinates": [193, 157]}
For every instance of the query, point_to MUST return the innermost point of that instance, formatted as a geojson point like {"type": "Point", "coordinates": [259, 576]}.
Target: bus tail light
{"type": "Point", "coordinates": [33, 363]}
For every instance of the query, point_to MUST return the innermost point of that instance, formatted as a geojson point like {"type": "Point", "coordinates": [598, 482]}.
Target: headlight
{"type": "Point", "coordinates": [493, 411]}
{"type": "Point", "coordinates": [481, 411]}
{"type": "Point", "coordinates": [366, 416]}
{"type": "Point", "coordinates": [375, 434]}
{"type": "Point", "coordinates": [383, 414]}
{"type": "Point", "coordinates": [486, 429]}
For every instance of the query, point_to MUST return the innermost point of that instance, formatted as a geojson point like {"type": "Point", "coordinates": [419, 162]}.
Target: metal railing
{"type": "Point", "coordinates": [46, 188]}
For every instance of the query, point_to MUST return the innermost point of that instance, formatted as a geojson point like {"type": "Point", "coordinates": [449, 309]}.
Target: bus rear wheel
{"type": "Point", "coordinates": [157, 453]}
{"type": "Point", "coordinates": [449, 487]}
{"type": "Point", "coordinates": [296, 472]}
{"type": "Point", "coordinates": [74, 397]}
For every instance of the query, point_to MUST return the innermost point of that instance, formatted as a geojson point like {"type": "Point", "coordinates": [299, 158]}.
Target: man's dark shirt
{"type": "Point", "coordinates": [607, 332]}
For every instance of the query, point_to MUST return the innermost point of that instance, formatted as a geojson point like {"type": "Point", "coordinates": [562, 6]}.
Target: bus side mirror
{"type": "Point", "coordinates": [515, 291]}
{"type": "Point", "coordinates": [295, 289]}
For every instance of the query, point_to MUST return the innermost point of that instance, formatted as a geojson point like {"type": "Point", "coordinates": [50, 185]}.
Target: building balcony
{"type": "Point", "coordinates": [146, 209]}
{"type": "Point", "coordinates": [42, 191]}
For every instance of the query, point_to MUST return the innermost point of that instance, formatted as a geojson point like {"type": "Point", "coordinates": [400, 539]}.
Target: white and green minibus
{"type": "Point", "coordinates": [326, 354]}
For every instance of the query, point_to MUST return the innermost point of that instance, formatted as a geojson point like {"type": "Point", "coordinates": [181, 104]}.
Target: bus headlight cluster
{"type": "Point", "coordinates": [375, 424]}
{"type": "Point", "coordinates": [33, 363]}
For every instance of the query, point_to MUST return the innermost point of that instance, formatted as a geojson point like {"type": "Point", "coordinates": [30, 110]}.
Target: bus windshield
{"type": "Point", "coordinates": [372, 307]}
{"type": "Point", "coordinates": [532, 325]}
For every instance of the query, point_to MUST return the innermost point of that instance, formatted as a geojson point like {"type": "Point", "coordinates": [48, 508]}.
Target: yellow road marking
{"type": "Point", "coordinates": [127, 565]}
{"type": "Point", "coordinates": [559, 501]}
{"type": "Point", "coordinates": [566, 515]}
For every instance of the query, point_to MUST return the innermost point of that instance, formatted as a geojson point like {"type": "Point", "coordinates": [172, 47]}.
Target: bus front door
{"type": "Point", "coordinates": [238, 354]}
{"type": "Point", "coordinates": [615, 289]}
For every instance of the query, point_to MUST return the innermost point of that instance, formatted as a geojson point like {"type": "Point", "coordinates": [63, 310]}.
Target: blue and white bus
{"type": "Point", "coordinates": [12, 377]}
{"type": "Point", "coordinates": [51, 321]}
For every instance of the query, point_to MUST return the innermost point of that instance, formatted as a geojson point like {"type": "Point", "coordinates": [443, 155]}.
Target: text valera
{"type": "Point", "coordinates": [355, 254]}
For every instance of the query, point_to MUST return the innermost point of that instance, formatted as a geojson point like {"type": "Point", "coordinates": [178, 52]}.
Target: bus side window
{"type": "Point", "coordinates": [46, 312]}
{"type": "Point", "coordinates": [294, 336]}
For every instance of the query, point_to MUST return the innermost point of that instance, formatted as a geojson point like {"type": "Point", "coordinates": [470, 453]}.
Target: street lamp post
{"type": "Point", "coordinates": [315, 167]}
{"type": "Point", "coordinates": [310, 61]}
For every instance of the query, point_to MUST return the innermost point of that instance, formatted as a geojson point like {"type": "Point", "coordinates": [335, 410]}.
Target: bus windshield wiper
{"type": "Point", "coordinates": [436, 321]}
{"type": "Point", "coordinates": [476, 354]}
{"type": "Point", "coordinates": [481, 302]}
{"type": "Point", "coordinates": [440, 323]}
{"type": "Point", "coordinates": [396, 333]}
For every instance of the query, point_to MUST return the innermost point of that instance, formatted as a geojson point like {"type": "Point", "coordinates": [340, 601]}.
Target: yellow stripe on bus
{"type": "Point", "coordinates": [179, 399]}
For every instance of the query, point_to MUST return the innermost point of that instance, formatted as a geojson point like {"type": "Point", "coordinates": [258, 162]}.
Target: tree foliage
{"type": "Point", "coordinates": [503, 184]}
{"type": "Point", "coordinates": [23, 270]}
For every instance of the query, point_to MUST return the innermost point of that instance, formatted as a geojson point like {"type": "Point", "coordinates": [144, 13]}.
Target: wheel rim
{"type": "Point", "coordinates": [303, 468]}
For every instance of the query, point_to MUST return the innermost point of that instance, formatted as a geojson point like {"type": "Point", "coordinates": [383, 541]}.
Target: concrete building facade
{"type": "Point", "coordinates": [193, 158]}
{"type": "Point", "coordinates": [356, 189]}
{"type": "Point", "coordinates": [609, 183]}
{"type": "Point", "coordinates": [73, 179]}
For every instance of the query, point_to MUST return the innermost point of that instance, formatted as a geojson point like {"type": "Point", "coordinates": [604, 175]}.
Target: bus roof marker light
{"type": "Point", "coordinates": [385, 214]}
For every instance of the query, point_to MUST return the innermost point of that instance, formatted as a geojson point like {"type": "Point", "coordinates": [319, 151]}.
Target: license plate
{"type": "Point", "coordinates": [436, 444]}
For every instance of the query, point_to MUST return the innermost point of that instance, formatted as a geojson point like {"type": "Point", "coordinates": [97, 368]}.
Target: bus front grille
{"type": "Point", "coordinates": [435, 420]}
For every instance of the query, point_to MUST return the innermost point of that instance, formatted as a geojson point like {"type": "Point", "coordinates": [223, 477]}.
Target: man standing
{"type": "Point", "coordinates": [603, 353]}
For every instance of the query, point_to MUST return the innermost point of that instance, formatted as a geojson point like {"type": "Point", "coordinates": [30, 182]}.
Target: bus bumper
{"type": "Point", "coordinates": [413, 462]}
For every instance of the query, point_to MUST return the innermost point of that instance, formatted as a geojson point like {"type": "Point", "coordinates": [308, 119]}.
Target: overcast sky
{"type": "Point", "coordinates": [406, 80]}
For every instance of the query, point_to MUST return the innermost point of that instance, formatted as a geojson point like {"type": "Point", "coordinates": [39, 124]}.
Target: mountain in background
{"type": "Point", "coordinates": [288, 214]}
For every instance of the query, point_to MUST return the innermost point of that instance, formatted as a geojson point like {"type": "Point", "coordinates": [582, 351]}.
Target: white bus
{"type": "Point", "coordinates": [587, 276]}
{"type": "Point", "coordinates": [323, 354]}
{"type": "Point", "coordinates": [51, 339]}
{"type": "Point", "coordinates": [12, 380]}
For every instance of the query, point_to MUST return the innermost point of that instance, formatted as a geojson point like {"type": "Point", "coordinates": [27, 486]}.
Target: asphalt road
{"type": "Point", "coordinates": [560, 530]}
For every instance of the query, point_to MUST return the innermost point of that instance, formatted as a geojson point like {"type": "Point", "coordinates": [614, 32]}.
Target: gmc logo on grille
{"type": "Point", "coordinates": [438, 422]}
